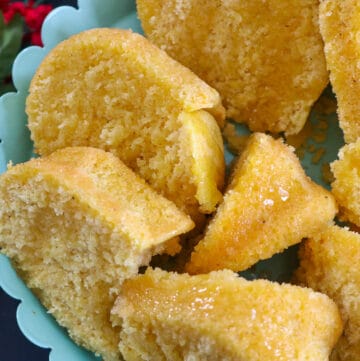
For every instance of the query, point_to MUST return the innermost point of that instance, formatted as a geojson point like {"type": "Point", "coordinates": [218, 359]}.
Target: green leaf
{"type": "Point", "coordinates": [10, 43]}
{"type": "Point", "coordinates": [2, 23]}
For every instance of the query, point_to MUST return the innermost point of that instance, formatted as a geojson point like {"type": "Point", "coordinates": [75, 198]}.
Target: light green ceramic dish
{"type": "Point", "coordinates": [16, 146]}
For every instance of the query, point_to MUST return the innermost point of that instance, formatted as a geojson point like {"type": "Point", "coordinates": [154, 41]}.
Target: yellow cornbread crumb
{"type": "Point", "coordinates": [222, 317]}
{"type": "Point", "coordinates": [331, 265]}
{"type": "Point", "coordinates": [346, 186]}
{"type": "Point", "coordinates": [112, 89]}
{"type": "Point", "coordinates": [270, 204]}
{"type": "Point", "coordinates": [75, 225]}
{"type": "Point", "coordinates": [340, 26]}
{"type": "Point", "coordinates": [265, 58]}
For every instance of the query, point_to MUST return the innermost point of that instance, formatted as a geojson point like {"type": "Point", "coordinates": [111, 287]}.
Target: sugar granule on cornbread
{"type": "Point", "coordinates": [220, 316]}
{"type": "Point", "coordinates": [113, 89]}
{"type": "Point", "coordinates": [346, 183]}
{"type": "Point", "coordinates": [270, 204]}
{"type": "Point", "coordinates": [339, 27]}
{"type": "Point", "coordinates": [75, 225]}
{"type": "Point", "coordinates": [331, 265]}
{"type": "Point", "coordinates": [265, 58]}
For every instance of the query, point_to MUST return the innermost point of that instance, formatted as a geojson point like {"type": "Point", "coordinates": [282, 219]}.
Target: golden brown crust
{"type": "Point", "coordinates": [75, 225]}
{"type": "Point", "coordinates": [112, 89]}
{"type": "Point", "coordinates": [340, 26]}
{"type": "Point", "coordinates": [346, 185]}
{"type": "Point", "coordinates": [264, 57]}
{"type": "Point", "coordinates": [269, 205]}
{"type": "Point", "coordinates": [219, 316]}
{"type": "Point", "coordinates": [330, 265]}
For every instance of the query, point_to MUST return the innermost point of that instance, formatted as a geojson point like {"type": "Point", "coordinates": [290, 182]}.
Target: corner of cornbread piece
{"type": "Point", "coordinates": [346, 186]}
{"type": "Point", "coordinates": [265, 58]}
{"type": "Point", "coordinates": [270, 204]}
{"type": "Point", "coordinates": [340, 27]}
{"type": "Point", "coordinates": [220, 316]}
{"type": "Point", "coordinates": [331, 265]}
{"type": "Point", "coordinates": [75, 225]}
{"type": "Point", "coordinates": [112, 89]}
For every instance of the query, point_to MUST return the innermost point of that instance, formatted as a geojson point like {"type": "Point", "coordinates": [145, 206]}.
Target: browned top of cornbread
{"type": "Point", "coordinates": [77, 223]}
{"type": "Point", "coordinates": [111, 190]}
{"type": "Point", "coordinates": [264, 57]}
{"type": "Point", "coordinates": [269, 205]}
{"type": "Point", "coordinates": [220, 316]}
{"type": "Point", "coordinates": [339, 26]}
{"type": "Point", "coordinates": [330, 264]}
{"type": "Point", "coordinates": [112, 89]}
{"type": "Point", "coordinates": [346, 183]}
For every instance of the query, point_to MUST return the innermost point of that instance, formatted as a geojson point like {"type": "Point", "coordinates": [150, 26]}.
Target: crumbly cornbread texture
{"type": "Point", "coordinates": [331, 265]}
{"type": "Point", "coordinates": [222, 317]}
{"type": "Point", "coordinates": [113, 89]}
{"type": "Point", "coordinates": [75, 225]}
{"type": "Point", "coordinates": [346, 186]}
{"type": "Point", "coordinates": [266, 58]}
{"type": "Point", "coordinates": [270, 204]}
{"type": "Point", "coordinates": [340, 26]}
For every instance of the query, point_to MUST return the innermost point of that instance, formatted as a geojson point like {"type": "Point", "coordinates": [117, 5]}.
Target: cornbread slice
{"type": "Point", "coordinates": [113, 89]}
{"type": "Point", "coordinates": [265, 58]}
{"type": "Point", "coordinates": [77, 224]}
{"type": "Point", "coordinates": [346, 186]}
{"type": "Point", "coordinates": [270, 204]}
{"type": "Point", "coordinates": [331, 265]}
{"type": "Point", "coordinates": [222, 317]}
{"type": "Point", "coordinates": [340, 26]}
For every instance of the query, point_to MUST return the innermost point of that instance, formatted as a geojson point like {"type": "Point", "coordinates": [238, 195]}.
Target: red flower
{"type": "Point", "coordinates": [4, 4]}
{"type": "Point", "coordinates": [35, 38]}
{"type": "Point", "coordinates": [18, 7]}
{"type": "Point", "coordinates": [34, 17]}
{"type": "Point", "coordinates": [8, 15]}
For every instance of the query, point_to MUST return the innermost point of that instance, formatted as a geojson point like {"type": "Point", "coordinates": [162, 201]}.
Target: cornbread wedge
{"type": "Point", "coordinates": [265, 58]}
{"type": "Point", "coordinates": [112, 89]}
{"type": "Point", "coordinates": [219, 316]}
{"type": "Point", "coordinates": [331, 265]}
{"type": "Point", "coordinates": [346, 186]}
{"type": "Point", "coordinates": [270, 204]}
{"type": "Point", "coordinates": [75, 225]}
{"type": "Point", "coordinates": [340, 26]}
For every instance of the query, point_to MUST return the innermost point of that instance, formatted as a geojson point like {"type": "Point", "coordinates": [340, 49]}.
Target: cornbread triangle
{"type": "Point", "coordinates": [330, 264]}
{"type": "Point", "coordinates": [75, 225]}
{"type": "Point", "coordinates": [220, 316]}
{"type": "Point", "coordinates": [112, 89]}
{"type": "Point", "coordinates": [270, 204]}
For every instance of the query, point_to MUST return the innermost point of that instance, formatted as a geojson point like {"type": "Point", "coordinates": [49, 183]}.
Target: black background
{"type": "Point", "coordinates": [13, 345]}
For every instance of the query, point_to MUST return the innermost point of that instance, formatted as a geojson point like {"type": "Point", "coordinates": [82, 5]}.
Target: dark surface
{"type": "Point", "coordinates": [13, 345]}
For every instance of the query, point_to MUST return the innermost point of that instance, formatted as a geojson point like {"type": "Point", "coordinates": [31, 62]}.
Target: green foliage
{"type": "Point", "coordinates": [10, 44]}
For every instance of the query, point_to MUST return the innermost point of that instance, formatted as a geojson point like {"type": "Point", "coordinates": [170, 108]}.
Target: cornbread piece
{"type": "Point", "coordinates": [113, 89]}
{"type": "Point", "coordinates": [340, 26]}
{"type": "Point", "coordinates": [265, 58]}
{"type": "Point", "coordinates": [75, 225]}
{"type": "Point", "coordinates": [219, 316]}
{"type": "Point", "coordinates": [331, 265]}
{"type": "Point", "coordinates": [270, 204]}
{"type": "Point", "coordinates": [346, 186]}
